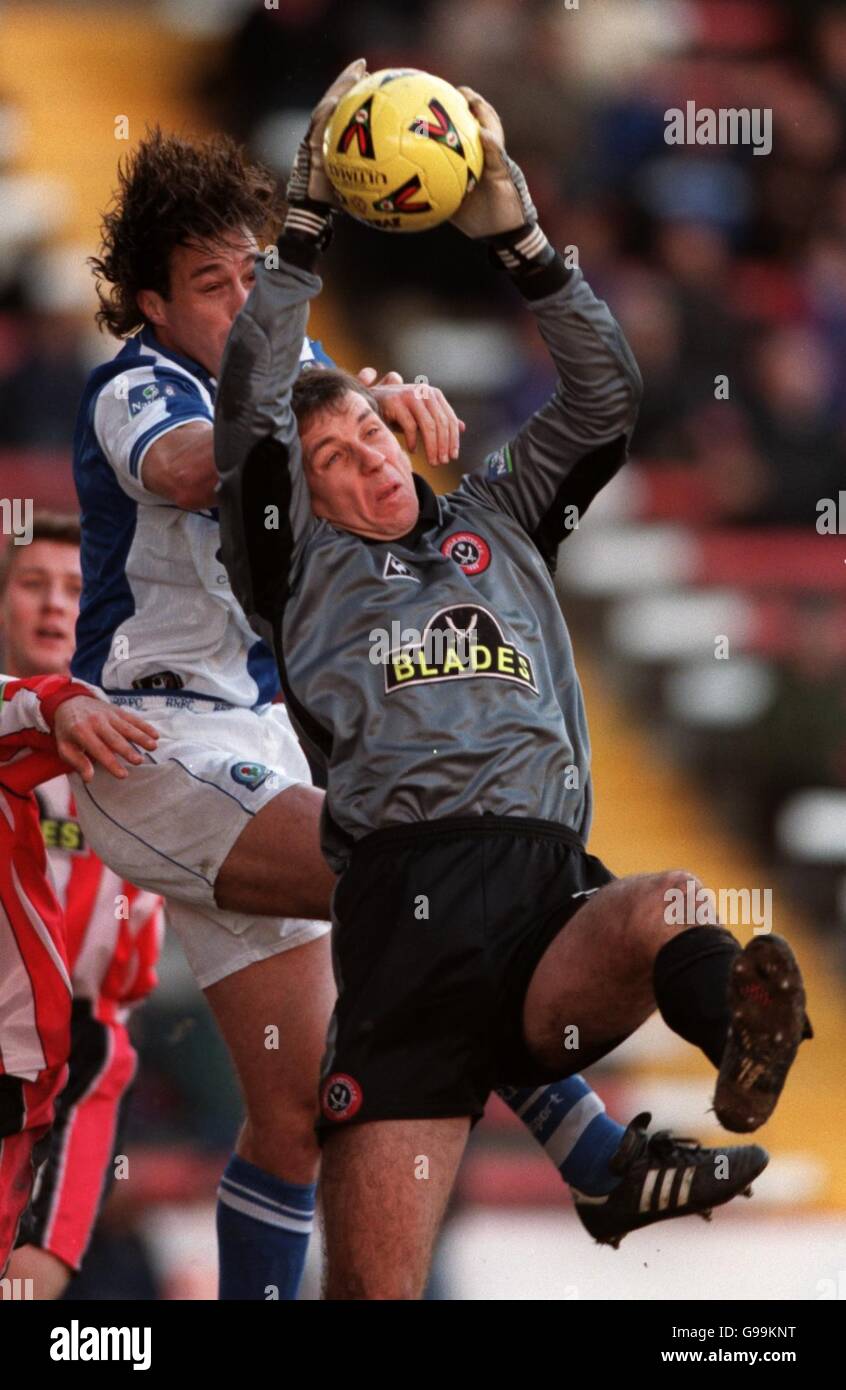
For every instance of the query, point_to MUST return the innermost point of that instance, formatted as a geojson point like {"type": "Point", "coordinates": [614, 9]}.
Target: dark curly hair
{"type": "Point", "coordinates": [172, 192]}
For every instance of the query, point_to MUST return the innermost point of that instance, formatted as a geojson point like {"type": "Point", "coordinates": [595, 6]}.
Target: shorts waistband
{"type": "Point", "coordinates": [466, 825]}
{"type": "Point", "coordinates": [156, 701]}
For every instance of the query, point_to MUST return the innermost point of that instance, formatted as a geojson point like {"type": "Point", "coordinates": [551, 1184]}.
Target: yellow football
{"type": "Point", "coordinates": [402, 149]}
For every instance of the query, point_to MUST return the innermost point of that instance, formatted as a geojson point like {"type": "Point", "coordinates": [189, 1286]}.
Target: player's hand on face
{"type": "Point", "coordinates": [420, 411]}
{"type": "Point", "coordinates": [501, 201]}
{"type": "Point", "coordinates": [308, 178]}
{"type": "Point", "coordinates": [89, 731]}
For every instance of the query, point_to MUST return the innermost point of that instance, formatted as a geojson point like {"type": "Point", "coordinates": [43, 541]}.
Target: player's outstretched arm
{"type": "Point", "coordinates": [421, 411]}
{"type": "Point", "coordinates": [264, 502]}
{"type": "Point", "coordinates": [263, 499]}
{"type": "Point", "coordinates": [567, 451]}
{"type": "Point", "coordinates": [88, 730]}
{"type": "Point", "coordinates": [81, 721]}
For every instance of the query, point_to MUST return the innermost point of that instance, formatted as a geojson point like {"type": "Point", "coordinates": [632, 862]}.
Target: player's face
{"type": "Point", "coordinates": [359, 476]}
{"type": "Point", "coordinates": [38, 609]}
{"type": "Point", "coordinates": [209, 286]}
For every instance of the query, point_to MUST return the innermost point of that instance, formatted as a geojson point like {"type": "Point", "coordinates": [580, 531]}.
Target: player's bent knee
{"type": "Point", "coordinates": [286, 1146]}
{"type": "Point", "coordinates": [292, 1125]}
{"type": "Point", "coordinates": [681, 900]}
{"type": "Point", "coordinates": [290, 1108]}
{"type": "Point", "coordinates": [662, 906]}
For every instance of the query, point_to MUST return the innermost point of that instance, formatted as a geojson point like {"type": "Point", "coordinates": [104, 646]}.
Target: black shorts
{"type": "Point", "coordinates": [438, 928]}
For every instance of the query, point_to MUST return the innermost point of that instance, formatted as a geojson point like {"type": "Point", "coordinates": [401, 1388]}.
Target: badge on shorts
{"type": "Point", "coordinates": [249, 774]}
{"type": "Point", "coordinates": [470, 552]}
{"type": "Point", "coordinates": [341, 1097]}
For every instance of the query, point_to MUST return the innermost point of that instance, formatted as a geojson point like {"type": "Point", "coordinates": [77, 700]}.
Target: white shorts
{"type": "Point", "coordinates": [170, 824]}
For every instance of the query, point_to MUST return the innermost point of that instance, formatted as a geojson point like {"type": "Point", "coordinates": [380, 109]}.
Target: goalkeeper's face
{"type": "Point", "coordinates": [359, 475]}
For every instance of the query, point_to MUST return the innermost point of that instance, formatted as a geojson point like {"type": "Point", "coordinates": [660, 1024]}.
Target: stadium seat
{"type": "Point", "coordinates": [811, 826]}
{"type": "Point", "coordinates": [667, 626]}
{"type": "Point", "coordinates": [33, 209]}
{"type": "Point", "coordinates": [778, 558]}
{"type": "Point", "coordinates": [719, 694]}
{"type": "Point", "coordinates": [47, 473]}
{"type": "Point", "coordinates": [601, 561]}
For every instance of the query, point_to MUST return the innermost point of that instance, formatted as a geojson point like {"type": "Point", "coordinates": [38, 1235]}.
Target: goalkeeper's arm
{"type": "Point", "coordinates": [567, 451]}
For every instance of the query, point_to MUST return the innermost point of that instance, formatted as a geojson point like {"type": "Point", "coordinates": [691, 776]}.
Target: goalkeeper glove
{"type": "Point", "coordinates": [311, 201]}
{"type": "Point", "coordinates": [499, 211]}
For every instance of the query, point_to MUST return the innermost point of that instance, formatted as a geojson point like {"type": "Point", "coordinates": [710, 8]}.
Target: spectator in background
{"type": "Point", "coordinates": [41, 380]}
{"type": "Point", "coordinates": [278, 58]}
{"type": "Point", "coordinates": [651, 319]}
{"type": "Point", "coordinates": [771, 456]}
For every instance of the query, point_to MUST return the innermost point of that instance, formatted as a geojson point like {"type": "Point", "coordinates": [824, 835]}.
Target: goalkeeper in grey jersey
{"type": "Point", "coordinates": [428, 670]}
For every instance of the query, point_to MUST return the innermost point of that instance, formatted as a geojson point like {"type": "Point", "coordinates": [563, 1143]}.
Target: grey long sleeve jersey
{"type": "Point", "coordinates": [408, 723]}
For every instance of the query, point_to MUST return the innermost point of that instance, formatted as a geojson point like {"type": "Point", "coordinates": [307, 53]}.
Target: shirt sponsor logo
{"type": "Point", "coordinates": [464, 642]}
{"type": "Point", "coordinates": [250, 775]}
{"type": "Point", "coordinates": [60, 833]}
{"type": "Point", "coordinates": [500, 465]}
{"type": "Point", "coordinates": [397, 569]}
{"type": "Point", "coordinates": [341, 1097]}
{"type": "Point", "coordinates": [470, 552]}
{"type": "Point", "coordinates": [141, 396]}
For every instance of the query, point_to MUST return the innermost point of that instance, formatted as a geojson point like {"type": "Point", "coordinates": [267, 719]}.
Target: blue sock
{"type": "Point", "coordinates": [569, 1122]}
{"type": "Point", "coordinates": [263, 1226]}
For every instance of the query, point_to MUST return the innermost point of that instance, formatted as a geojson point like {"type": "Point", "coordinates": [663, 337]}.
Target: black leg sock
{"type": "Point", "coordinates": [690, 977]}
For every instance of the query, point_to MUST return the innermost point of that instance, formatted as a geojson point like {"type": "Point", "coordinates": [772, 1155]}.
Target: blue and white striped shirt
{"type": "Point", "coordinates": [155, 596]}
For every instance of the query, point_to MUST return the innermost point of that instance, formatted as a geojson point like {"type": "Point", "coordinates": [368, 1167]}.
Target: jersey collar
{"type": "Point", "coordinates": [428, 516]}
{"type": "Point", "coordinates": [149, 339]}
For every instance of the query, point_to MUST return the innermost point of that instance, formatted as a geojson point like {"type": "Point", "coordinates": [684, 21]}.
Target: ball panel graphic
{"type": "Point", "coordinates": [402, 150]}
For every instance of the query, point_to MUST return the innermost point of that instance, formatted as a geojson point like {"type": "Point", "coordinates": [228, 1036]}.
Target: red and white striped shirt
{"type": "Point", "coordinates": [67, 924]}
{"type": "Point", "coordinates": [35, 987]}
{"type": "Point", "coordinates": [113, 929]}
{"type": "Point", "coordinates": [28, 753]}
